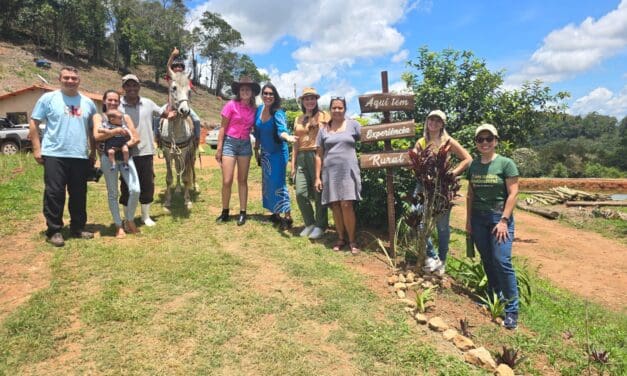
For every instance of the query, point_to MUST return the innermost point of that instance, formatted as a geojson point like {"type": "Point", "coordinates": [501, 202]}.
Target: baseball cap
{"type": "Point", "coordinates": [130, 77]}
{"type": "Point", "coordinates": [487, 127]}
{"type": "Point", "coordinates": [438, 113]}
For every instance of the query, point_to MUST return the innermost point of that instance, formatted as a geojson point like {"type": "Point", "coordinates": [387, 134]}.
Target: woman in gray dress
{"type": "Point", "coordinates": [337, 171]}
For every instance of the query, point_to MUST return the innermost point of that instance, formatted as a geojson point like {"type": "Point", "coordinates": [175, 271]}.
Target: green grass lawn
{"type": "Point", "coordinates": [192, 297]}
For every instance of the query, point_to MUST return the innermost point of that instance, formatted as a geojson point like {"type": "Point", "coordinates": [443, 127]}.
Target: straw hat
{"type": "Point", "coordinates": [309, 91]}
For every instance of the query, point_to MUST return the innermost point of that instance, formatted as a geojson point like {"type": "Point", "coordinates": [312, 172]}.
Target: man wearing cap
{"type": "Point", "coordinates": [141, 110]}
{"type": "Point", "coordinates": [65, 152]}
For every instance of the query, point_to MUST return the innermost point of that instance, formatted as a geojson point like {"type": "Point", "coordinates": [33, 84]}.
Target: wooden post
{"type": "Point", "coordinates": [389, 174]}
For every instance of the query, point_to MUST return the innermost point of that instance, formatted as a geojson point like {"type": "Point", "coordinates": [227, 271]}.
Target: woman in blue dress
{"type": "Point", "coordinates": [272, 136]}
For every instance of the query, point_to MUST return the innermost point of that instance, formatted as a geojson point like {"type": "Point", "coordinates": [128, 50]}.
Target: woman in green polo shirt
{"type": "Point", "coordinates": [492, 192]}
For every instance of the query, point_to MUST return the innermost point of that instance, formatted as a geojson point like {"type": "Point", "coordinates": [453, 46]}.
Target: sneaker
{"type": "Point", "coordinates": [56, 239]}
{"type": "Point", "coordinates": [441, 270]}
{"type": "Point", "coordinates": [431, 264]}
{"type": "Point", "coordinates": [306, 231]}
{"type": "Point", "coordinates": [82, 235]}
{"type": "Point", "coordinates": [511, 320]}
{"type": "Point", "coordinates": [316, 233]}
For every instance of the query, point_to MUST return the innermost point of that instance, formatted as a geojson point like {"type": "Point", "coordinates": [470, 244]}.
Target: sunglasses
{"type": "Point", "coordinates": [484, 139]}
{"type": "Point", "coordinates": [178, 66]}
{"type": "Point", "coordinates": [268, 94]}
{"type": "Point", "coordinates": [338, 98]}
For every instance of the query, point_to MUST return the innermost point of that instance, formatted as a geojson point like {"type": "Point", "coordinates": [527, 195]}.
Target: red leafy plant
{"type": "Point", "coordinates": [436, 188]}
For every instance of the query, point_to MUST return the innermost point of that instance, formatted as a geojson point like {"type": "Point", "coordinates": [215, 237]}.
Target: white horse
{"type": "Point", "coordinates": [177, 139]}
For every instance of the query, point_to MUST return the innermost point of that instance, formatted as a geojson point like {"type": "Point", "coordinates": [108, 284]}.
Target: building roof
{"type": "Point", "coordinates": [92, 96]}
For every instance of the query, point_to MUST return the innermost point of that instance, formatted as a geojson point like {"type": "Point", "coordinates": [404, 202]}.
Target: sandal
{"type": "Point", "coordinates": [354, 249]}
{"type": "Point", "coordinates": [339, 245]}
{"type": "Point", "coordinates": [129, 227]}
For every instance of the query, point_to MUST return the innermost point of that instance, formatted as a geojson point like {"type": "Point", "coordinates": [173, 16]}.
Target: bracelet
{"type": "Point", "coordinates": [505, 218]}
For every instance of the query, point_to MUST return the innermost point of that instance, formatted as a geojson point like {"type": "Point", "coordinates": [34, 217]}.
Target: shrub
{"type": "Point", "coordinates": [527, 161]}
{"type": "Point", "coordinates": [559, 171]}
{"type": "Point", "coordinates": [596, 170]}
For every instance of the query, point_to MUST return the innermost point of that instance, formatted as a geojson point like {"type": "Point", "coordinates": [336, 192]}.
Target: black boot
{"type": "Point", "coordinates": [242, 218]}
{"type": "Point", "coordinates": [224, 217]}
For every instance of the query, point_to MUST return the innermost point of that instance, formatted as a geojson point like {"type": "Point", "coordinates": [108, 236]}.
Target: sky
{"type": "Point", "coordinates": [341, 46]}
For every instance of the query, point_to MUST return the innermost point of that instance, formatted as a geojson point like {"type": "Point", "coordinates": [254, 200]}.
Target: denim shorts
{"type": "Point", "coordinates": [236, 147]}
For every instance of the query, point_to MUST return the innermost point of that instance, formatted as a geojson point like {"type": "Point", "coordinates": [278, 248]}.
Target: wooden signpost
{"type": "Point", "coordinates": [386, 102]}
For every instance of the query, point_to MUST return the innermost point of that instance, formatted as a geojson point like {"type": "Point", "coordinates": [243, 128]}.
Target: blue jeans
{"type": "Point", "coordinates": [444, 236]}
{"type": "Point", "coordinates": [132, 181]}
{"type": "Point", "coordinates": [496, 257]}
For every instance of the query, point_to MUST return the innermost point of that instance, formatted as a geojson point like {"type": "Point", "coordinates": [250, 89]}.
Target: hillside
{"type": "Point", "coordinates": [17, 70]}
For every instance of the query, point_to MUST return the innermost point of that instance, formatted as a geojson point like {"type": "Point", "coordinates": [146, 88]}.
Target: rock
{"type": "Point", "coordinates": [419, 280]}
{"type": "Point", "coordinates": [426, 285]}
{"type": "Point", "coordinates": [409, 302]}
{"type": "Point", "coordinates": [504, 370]}
{"type": "Point", "coordinates": [463, 343]}
{"type": "Point", "coordinates": [409, 310]}
{"type": "Point", "coordinates": [410, 277]}
{"type": "Point", "coordinates": [428, 277]}
{"type": "Point", "coordinates": [421, 319]}
{"type": "Point", "coordinates": [411, 285]}
{"type": "Point", "coordinates": [481, 358]}
{"type": "Point", "coordinates": [499, 320]}
{"type": "Point", "coordinates": [437, 324]}
{"type": "Point", "coordinates": [401, 278]}
{"type": "Point", "coordinates": [400, 286]}
{"type": "Point", "coordinates": [392, 279]}
{"type": "Point", "coordinates": [449, 334]}
{"type": "Point", "coordinates": [401, 294]}
{"type": "Point", "coordinates": [446, 283]}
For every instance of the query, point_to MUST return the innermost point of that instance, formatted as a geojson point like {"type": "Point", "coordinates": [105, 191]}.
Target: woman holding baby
{"type": "Point", "coordinates": [103, 131]}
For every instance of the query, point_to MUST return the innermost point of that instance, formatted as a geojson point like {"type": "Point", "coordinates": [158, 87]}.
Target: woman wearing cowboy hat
{"type": "Point", "coordinates": [306, 129]}
{"type": "Point", "coordinates": [234, 147]}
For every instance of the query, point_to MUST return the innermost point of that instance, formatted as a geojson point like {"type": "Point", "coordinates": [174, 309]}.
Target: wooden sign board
{"type": "Point", "coordinates": [389, 131]}
{"type": "Point", "coordinates": [386, 102]}
{"type": "Point", "coordinates": [383, 160]}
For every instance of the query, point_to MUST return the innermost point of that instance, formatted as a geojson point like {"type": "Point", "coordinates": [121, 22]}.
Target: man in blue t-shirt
{"type": "Point", "coordinates": [66, 151]}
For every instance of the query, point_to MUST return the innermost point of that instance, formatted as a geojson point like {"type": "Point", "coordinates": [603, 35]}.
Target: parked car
{"type": "Point", "coordinates": [13, 137]}
{"type": "Point", "coordinates": [212, 138]}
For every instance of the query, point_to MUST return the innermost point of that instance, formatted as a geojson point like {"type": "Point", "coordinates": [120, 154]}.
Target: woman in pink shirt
{"type": "Point", "coordinates": [234, 147]}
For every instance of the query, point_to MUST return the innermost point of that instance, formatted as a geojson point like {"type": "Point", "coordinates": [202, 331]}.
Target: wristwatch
{"type": "Point", "coordinates": [504, 219]}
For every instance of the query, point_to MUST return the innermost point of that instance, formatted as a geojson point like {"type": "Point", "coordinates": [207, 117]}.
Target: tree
{"type": "Point", "coordinates": [463, 87]}
{"type": "Point", "coordinates": [218, 38]}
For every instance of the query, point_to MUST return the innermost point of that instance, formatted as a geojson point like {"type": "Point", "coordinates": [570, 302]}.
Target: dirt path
{"type": "Point", "coordinates": [580, 261]}
{"type": "Point", "coordinates": [23, 269]}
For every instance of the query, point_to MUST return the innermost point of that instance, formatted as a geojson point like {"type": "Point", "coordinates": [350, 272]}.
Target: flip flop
{"type": "Point", "coordinates": [354, 249]}
{"type": "Point", "coordinates": [339, 245]}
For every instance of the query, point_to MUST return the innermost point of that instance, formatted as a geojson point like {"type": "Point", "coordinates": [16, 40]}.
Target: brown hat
{"type": "Point", "coordinates": [130, 77]}
{"type": "Point", "coordinates": [309, 91]}
{"type": "Point", "coordinates": [245, 80]}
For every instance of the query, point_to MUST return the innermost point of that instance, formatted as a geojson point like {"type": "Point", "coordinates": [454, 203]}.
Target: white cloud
{"type": "Point", "coordinates": [576, 48]}
{"type": "Point", "coordinates": [603, 101]}
{"type": "Point", "coordinates": [401, 56]}
{"type": "Point", "coordinates": [331, 34]}
{"type": "Point", "coordinates": [400, 87]}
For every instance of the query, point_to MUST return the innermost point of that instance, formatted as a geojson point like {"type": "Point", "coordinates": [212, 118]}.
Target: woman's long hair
{"type": "Point", "coordinates": [276, 105]}
{"type": "Point", "coordinates": [104, 98]}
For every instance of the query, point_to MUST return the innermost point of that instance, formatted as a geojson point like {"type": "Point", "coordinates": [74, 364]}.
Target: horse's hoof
{"type": "Point", "coordinates": [166, 209]}
{"type": "Point", "coordinates": [177, 189]}
{"type": "Point", "coordinates": [188, 205]}
{"type": "Point", "coordinates": [196, 188]}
